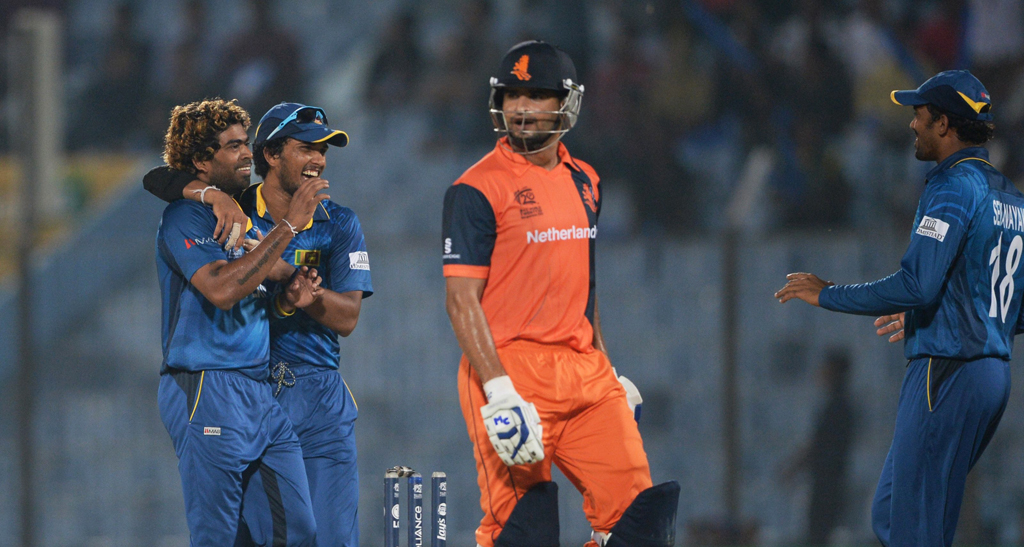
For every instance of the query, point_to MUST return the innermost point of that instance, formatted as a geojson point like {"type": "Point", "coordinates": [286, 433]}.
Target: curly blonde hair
{"type": "Point", "coordinates": [195, 129]}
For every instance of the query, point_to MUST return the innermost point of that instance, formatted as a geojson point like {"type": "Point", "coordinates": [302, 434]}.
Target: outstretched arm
{"type": "Point", "coordinates": [944, 214]}
{"type": "Point", "coordinates": [802, 286]}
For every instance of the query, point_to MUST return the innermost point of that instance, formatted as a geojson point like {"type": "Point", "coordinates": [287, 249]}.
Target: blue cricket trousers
{"type": "Point", "coordinates": [224, 426]}
{"type": "Point", "coordinates": [323, 414]}
{"type": "Point", "coordinates": [948, 412]}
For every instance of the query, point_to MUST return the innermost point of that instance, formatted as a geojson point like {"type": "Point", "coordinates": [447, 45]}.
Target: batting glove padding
{"type": "Point", "coordinates": [513, 425]}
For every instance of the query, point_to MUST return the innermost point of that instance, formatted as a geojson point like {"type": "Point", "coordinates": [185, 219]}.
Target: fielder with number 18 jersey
{"type": "Point", "coordinates": [960, 284]}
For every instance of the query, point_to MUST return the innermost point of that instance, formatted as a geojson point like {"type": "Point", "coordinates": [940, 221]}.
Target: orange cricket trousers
{"type": "Point", "coordinates": [589, 433]}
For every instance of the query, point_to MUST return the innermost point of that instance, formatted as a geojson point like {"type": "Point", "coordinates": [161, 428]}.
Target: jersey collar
{"type": "Point", "coordinates": [520, 164]}
{"type": "Point", "coordinates": [969, 153]}
{"type": "Point", "coordinates": [261, 209]}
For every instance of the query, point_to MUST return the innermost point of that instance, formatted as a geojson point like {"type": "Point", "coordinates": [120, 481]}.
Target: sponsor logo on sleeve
{"type": "Point", "coordinates": [306, 257]}
{"type": "Point", "coordinates": [448, 255]}
{"type": "Point", "coordinates": [359, 260]}
{"type": "Point", "coordinates": [193, 242]}
{"type": "Point", "coordinates": [933, 228]}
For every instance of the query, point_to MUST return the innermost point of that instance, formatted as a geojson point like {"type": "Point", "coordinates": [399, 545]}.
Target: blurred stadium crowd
{"type": "Point", "coordinates": [677, 92]}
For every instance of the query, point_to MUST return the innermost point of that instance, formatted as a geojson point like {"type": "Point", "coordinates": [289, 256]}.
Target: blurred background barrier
{"type": "Point", "coordinates": [737, 141]}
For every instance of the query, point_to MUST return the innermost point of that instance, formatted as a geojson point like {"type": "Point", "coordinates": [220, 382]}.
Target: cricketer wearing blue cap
{"type": "Point", "coordinates": [960, 285]}
{"type": "Point", "coordinates": [290, 148]}
{"type": "Point", "coordinates": [214, 398]}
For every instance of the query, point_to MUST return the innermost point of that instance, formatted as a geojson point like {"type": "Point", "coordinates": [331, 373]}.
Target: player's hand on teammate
{"type": "Point", "coordinates": [304, 202]}
{"type": "Point", "coordinates": [513, 425]}
{"type": "Point", "coordinates": [891, 324]}
{"type": "Point", "coordinates": [803, 286]}
{"type": "Point", "coordinates": [281, 272]}
{"type": "Point", "coordinates": [304, 288]}
{"type": "Point", "coordinates": [231, 221]}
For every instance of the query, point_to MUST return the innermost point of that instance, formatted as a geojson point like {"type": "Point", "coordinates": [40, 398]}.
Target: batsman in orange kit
{"type": "Point", "coordinates": [535, 383]}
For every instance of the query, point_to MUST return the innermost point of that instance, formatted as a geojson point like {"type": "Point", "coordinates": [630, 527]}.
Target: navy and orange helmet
{"type": "Point", "coordinates": [538, 65]}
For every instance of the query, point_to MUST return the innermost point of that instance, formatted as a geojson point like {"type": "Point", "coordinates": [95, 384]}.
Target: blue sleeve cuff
{"type": "Point", "coordinates": [825, 298]}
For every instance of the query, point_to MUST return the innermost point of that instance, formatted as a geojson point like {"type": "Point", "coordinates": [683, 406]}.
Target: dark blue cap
{"type": "Point", "coordinates": [955, 91]}
{"type": "Point", "coordinates": [300, 122]}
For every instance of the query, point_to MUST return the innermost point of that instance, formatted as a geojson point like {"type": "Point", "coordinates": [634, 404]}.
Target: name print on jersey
{"type": "Point", "coordinates": [554, 234]}
{"type": "Point", "coordinates": [1008, 216]}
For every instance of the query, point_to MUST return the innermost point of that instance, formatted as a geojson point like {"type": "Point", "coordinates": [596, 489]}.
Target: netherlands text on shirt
{"type": "Point", "coordinates": [554, 234]}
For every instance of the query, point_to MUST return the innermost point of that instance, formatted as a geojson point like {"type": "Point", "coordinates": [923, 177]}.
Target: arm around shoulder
{"type": "Point", "coordinates": [168, 184]}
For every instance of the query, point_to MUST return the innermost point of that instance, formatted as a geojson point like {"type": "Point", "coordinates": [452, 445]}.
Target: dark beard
{"type": "Point", "coordinates": [230, 183]}
{"type": "Point", "coordinates": [530, 143]}
{"type": "Point", "coordinates": [535, 141]}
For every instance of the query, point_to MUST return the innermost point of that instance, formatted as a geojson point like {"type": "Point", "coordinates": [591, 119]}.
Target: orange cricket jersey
{"type": "Point", "coordinates": [530, 233]}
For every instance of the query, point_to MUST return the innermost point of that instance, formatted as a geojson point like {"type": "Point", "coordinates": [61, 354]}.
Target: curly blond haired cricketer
{"type": "Point", "coordinates": [194, 130]}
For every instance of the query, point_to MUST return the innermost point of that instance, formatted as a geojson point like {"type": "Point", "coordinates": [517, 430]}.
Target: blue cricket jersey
{"type": "Point", "coordinates": [333, 243]}
{"type": "Point", "coordinates": [961, 279]}
{"type": "Point", "coordinates": [196, 334]}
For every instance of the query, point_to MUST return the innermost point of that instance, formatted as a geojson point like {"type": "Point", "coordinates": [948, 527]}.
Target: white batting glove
{"type": "Point", "coordinates": [633, 398]}
{"type": "Point", "coordinates": [512, 423]}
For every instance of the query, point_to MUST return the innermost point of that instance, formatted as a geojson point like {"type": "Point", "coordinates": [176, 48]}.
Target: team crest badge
{"type": "Point", "coordinates": [588, 197]}
{"type": "Point", "coordinates": [521, 68]}
{"type": "Point", "coordinates": [305, 257]}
